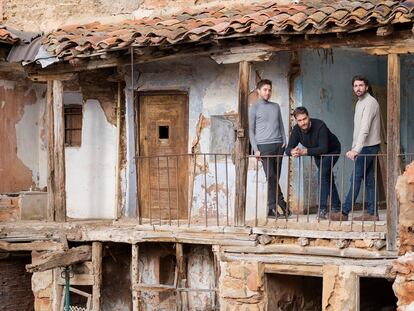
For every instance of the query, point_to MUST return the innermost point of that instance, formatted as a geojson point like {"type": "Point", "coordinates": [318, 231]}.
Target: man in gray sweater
{"type": "Point", "coordinates": [268, 140]}
{"type": "Point", "coordinates": [365, 145]}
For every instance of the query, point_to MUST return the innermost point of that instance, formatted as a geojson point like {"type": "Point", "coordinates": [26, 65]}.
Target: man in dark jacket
{"type": "Point", "coordinates": [325, 147]}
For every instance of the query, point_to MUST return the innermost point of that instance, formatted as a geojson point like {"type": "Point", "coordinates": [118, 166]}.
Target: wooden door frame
{"type": "Point", "coordinates": [137, 133]}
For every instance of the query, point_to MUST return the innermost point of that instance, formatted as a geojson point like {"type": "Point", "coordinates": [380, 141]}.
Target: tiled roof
{"type": "Point", "coordinates": [190, 25]}
{"type": "Point", "coordinates": [7, 37]}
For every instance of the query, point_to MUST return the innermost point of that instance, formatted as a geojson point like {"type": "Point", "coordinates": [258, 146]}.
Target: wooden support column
{"type": "Point", "coordinates": [242, 144]}
{"type": "Point", "coordinates": [97, 275]}
{"type": "Point", "coordinates": [135, 277]}
{"type": "Point", "coordinates": [182, 297]}
{"type": "Point", "coordinates": [393, 147]}
{"type": "Point", "coordinates": [59, 152]}
{"type": "Point", "coordinates": [50, 153]}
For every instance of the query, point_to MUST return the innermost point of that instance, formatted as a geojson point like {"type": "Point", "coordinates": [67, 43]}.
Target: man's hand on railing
{"type": "Point", "coordinates": [257, 155]}
{"type": "Point", "coordinates": [351, 154]}
{"type": "Point", "coordinates": [298, 152]}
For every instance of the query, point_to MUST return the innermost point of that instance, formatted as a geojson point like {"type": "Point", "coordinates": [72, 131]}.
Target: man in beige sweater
{"type": "Point", "coordinates": [365, 145]}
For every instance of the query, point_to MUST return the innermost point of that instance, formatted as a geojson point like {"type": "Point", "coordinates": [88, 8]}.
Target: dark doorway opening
{"type": "Point", "coordinates": [293, 292]}
{"type": "Point", "coordinates": [376, 294]}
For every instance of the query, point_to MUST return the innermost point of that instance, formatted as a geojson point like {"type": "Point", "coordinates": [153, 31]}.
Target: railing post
{"type": "Point", "coordinates": [242, 144]}
{"type": "Point", "coordinates": [393, 147]}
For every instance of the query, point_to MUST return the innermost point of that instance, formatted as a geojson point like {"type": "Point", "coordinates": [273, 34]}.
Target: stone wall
{"type": "Point", "coordinates": [242, 286]}
{"type": "Point", "coordinates": [404, 266]}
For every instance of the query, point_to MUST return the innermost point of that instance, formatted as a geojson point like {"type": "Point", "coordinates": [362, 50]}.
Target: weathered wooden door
{"type": "Point", "coordinates": [163, 164]}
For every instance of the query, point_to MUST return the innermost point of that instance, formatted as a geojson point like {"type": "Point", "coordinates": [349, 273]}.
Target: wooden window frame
{"type": "Point", "coordinates": [70, 128]}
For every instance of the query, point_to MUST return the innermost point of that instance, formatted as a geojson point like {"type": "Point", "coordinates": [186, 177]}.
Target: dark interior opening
{"type": "Point", "coordinates": [293, 292]}
{"type": "Point", "coordinates": [15, 283]}
{"type": "Point", "coordinates": [376, 294]}
{"type": "Point", "coordinates": [164, 132]}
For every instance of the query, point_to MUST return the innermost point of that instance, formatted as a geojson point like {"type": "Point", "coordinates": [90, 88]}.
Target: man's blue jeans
{"type": "Point", "coordinates": [367, 160]}
{"type": "Point", "coordinates": [325, 165]}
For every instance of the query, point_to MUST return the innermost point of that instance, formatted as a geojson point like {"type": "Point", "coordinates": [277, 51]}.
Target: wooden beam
{"type": "Point", "coordinates": [97, 274]}
{"type": "Point", "coordinates": [135, 277]}
{"type": "Point", "coordinates": [232, 58]}
{"type": "Point", "coordinates": [51, 77]}
{"type": "Point", "coordinates": [59, 156]}
{"type": "Point", "coordinates": [61, 259]}
{"type": "Point", "coordinates": [32, 246]}
{"type": "Point", "coordinates": [50, 153]}
{"type": "Point", "coordinates": [350, 252]}
{"type": "Point", "coordinates": [242, 144]}
{"type": "Point", "coordinates": [393, 147]}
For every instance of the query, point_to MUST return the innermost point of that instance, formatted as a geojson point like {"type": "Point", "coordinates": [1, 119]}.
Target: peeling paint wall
{"type": "Point", "coordinates": [22, 135]}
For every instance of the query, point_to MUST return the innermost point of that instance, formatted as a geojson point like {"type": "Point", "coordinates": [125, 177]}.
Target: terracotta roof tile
{"type": "Point", "coordinates": [219, 22]}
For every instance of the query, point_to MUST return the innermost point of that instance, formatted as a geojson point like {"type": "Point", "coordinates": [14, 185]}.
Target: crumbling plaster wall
{"type": "Point", "coordinates": [90, 168]}
{"type": "Point", "coordinates": [23, 157]}
{"type": "Point", "coordinates": [212, 91]}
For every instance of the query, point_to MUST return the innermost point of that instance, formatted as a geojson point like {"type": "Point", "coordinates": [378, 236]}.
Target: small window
{"type": "Point", "coordinates": [73, 125]}
{"type": "Point", "coordinates": [163, 132]}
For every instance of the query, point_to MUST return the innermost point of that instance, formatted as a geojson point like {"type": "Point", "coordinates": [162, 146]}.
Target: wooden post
{"type": "Point", "coordinates": [393, 147]}
{"type": "Point", "coordinates": [50, 153]}
{"type": "Point", "coordinates": [135, 277]}
{"type": "Point", "coordinates": [59, 152]}
{"type": "Point", "coordinates": [182, 297]}
{"type": "Point", "coordinates": [118, 156]}
{"type": "Point", "coordinates": [97, 275]}
{"type": "Point", "coordinates": [242, 144]}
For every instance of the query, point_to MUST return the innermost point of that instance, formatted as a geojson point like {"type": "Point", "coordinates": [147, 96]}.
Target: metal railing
{"type": "Point", "coordinates": [199, 190]}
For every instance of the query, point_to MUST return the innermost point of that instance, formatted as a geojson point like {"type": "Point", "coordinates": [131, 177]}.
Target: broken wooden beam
{"type": "Point", "coordinates": [61, 259]}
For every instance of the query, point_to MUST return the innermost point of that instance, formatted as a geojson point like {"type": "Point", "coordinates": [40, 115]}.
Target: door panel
{"type": "Point", "coordinates": [163, 132]}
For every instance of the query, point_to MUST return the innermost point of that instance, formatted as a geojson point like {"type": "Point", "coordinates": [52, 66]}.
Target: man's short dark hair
{"type": "Point", "coordinates": [360, 78]}
{"type": "Point", "coordinates": [300, 110]}
{"type": "Point", "coordinates": [263, 82]}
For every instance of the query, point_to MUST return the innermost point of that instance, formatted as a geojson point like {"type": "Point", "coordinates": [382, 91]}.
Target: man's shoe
{"type": "Point", "coordinates": [338, 216]}
{"type": "Point", "coordinates": [367, 217]}
{"type": "Point", "coordinates": [272, 213]}
{"type": "Point", "coordinates": [286, 211]}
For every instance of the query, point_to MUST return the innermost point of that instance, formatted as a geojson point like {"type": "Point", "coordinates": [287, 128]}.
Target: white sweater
{"type": "Point", "coordinates": [367, 125]}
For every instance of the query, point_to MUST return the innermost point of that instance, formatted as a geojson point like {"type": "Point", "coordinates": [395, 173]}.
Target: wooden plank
{"type": "Point", "coordinates": [61, 259]}
{"type": "Point", "coordinates": [308, 270]}
{"type": "Point", "coordinates": [306, 260]}
{"type": "Point", "coordinates": [59, 156]}
{"type": "Point", "coordinates": [242, 145]}
{"type": "Point", "coordinates": [135, 277]}
{"type": "Point", "coordinates": [50, 153]}
{"type": "Point", "coordinates": [97, 273]}
{"type": "Point", "coordinates": [350, 252]}
{"type": "Point", "coordinates": [32, 246]}
{"type": "Point", "coordinates": [315, 234]}
{"type": "Point", "coordinates": [393, 147]}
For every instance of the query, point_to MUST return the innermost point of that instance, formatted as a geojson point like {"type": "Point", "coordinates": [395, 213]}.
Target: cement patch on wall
{"type": "Point", "coordinates": [90, 169]}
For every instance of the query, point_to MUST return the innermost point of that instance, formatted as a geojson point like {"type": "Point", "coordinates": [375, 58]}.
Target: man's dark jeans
{"type": "Point", "coordinates": [364, 160]}
{"type": "Point", "coordinates": [325, 166]}
{"type": "Point", "coordinates": [272, 167]}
